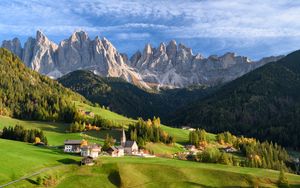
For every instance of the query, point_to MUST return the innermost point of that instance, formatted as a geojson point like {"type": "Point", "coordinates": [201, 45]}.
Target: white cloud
{"type": "Point", "coordinates": [149, 20]}
{"type": "Point", "coordinates": [221, 18]}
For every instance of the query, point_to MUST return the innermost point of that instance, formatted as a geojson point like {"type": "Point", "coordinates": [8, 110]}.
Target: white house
{"type": "Point", "coordinates": [91, 150]}
{"type": "Point", "coordinates": [72, 146]}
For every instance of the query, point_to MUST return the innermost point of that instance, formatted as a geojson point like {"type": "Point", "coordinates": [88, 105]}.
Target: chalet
{"type": "Point", "coordinates": [188, 128]}
{"type": "Point", "coordinates": [191, 148]}
{"type": "Point", "coordinates": [87, 161]}
{"type": "Point", "coordinates": [91, 150]}
{"type": "Point", "coordinates": [130, 147]}
{"type": "Point", "coordinates": [229, 149]}
{"type": "Point", "coordinates": [72, 146]}
{"type": "Point", "coordinates": [116, 151]}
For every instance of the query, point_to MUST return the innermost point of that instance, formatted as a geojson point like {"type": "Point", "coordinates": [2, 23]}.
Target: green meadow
{"type": "Point", "coordinates": [160, 172]}
{"type": "Point", "coordinates": [18, 159]}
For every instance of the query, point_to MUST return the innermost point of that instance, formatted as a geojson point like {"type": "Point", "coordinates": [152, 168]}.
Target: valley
{"type": "Point", "coordinates": [149, 94]}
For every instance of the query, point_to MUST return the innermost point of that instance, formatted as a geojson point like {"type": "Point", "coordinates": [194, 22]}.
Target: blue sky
{"type": "Point", "coordinates": [254, 28]}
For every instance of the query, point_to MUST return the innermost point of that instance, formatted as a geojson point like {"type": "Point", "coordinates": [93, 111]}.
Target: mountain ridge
{"type": "Point", "coordinates": [167, 66]}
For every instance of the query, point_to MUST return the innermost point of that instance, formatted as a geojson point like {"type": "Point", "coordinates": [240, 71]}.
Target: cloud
{"type": "Point", "coordinates": [243, 21]}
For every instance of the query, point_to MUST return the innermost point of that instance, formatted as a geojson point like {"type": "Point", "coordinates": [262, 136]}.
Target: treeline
{"type": "Point", "coordinates": [214, 155]}
{"type": "Point", "coordinates": [26, 94]}
{"type": "Point", "coordinates": [198, 137]}
{"type": "Point", "coordinates": [24, 135]}
{"type": "Point", "coordinates": [258, 154]}
{"type": "Point", "coordinates": [148, 131]}
{"type": "Point", "coordinates": [80, 122]}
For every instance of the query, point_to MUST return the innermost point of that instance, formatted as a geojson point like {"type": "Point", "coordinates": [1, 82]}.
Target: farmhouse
{"type": "Point", "coordinates": [229, 149]}
{"type": "Point", "coordinates": [116, 151]}
{"type": "Point", "coordinates": [191, 148]}
{"type": "Point", "coordinates": [87, 161]}
{"type": "Point", "coordinates": [130, 147]}
{"type": "Point", "coordinates": [72, 146]}
{"type": "Point", "coordinates": [188, 128]}
{"type": "Point", "coordinates": [91, 150]}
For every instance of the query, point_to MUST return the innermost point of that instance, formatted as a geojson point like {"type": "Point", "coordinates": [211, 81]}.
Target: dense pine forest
{"type": "Point", "coordinates": [26, 94]}
{"type": "Point", "coordinates": [264, 104]}
{"type": "Point", "coordinates": [128, 99]}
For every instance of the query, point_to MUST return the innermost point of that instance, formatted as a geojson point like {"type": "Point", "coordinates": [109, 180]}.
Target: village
{"type": "Point", "coordinates": [91, 151]}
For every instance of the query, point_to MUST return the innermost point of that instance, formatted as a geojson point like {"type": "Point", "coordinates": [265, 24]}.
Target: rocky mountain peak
{"type": "Point", "coordinates": [79, 36]}
{"type": "Point", "coordinates": [43, 40]}
{"type": "Point", "coordinates": [148, 49]}
{"type": "Point", "coordinates": [171, 49]}
{"type": "Point", "coordinates": [13, 45]}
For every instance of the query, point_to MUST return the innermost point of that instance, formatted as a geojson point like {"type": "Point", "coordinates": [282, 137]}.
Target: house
{"type": "Point", "coordinates": [191, 148]}
{"type": "Point", "coordinates": [87, 161]}
{"type": "Point", "coordinates": [229, 149]}
{"type": "Point", "coordinates": [188, 128]}
{"type": "Point", "coordinates": [90, 150]}
{"type": "Point", "coordinates": [91, 114]}
{"type": "Point", "coordinates": [130, 147]}
{"type": "Point", "coordinates": [116, 151]}
{"type": "Point", "coordinates": [72, 146]}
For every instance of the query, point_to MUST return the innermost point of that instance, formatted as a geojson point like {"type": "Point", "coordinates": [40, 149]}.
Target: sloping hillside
{"type": "Point", "coordinates": [127, 99]}
{"type": "Point", "coordinates": [264, 104]}
{"type": "Point", "coordinates": [27, 95]}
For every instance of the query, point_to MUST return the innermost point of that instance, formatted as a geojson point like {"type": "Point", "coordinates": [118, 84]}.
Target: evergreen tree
{"type": "Point", "coordinates": [282, 180]}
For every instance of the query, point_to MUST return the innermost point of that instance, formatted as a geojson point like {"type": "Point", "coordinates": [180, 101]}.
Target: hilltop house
{"type": "Point", "coordinates": [116, 151]}
{"type": "Point", "coordinates": [90, 150]}
{"type": "Point", "coordinates": [72, 146]}
{"type": "Point", "coordinates": [130, 147]}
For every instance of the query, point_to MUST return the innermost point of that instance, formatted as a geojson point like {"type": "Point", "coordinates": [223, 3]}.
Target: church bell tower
{"type": "Point", "coordinates": [123, 138]}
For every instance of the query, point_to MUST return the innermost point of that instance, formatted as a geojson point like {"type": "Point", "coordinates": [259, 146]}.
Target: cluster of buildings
{"type": "Point", "coordinates": [91, 151]}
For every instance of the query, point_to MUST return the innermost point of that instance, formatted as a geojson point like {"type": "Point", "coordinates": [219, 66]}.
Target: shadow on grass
{"type": "Point", "coordinates": [114, 178]}
{"type": "Point", "coordinates": [31, 181]}
{"type": "Point", "coordinates": [68, 161]}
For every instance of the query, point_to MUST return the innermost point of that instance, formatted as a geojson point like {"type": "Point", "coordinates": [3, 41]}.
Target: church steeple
{"type": "Point", "coordinates": [123, 138]}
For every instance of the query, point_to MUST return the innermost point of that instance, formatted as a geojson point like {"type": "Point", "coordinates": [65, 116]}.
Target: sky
{"type": "Point", "coordinates": [253, 28]}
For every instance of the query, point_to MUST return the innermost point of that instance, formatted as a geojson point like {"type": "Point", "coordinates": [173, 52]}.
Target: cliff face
{"type": "Point", "coordinates": [170, 66]}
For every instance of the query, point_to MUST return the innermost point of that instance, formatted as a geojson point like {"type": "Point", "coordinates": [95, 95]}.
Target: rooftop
{"type": "Point", "coordinates": [77, 142]}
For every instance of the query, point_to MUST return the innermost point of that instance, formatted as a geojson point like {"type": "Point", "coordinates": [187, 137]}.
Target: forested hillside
{"type": "Point", "coordinates": [26, 94]}
{"type": "Point", "coordinates": [128, 99]}
{"type": "Point", "coordinates": [264, 104]}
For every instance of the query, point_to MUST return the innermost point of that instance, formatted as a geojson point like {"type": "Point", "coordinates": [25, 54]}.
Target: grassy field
{"type": "Point", "coordinates": [21, 159]}
{"type": "Point", "coordinates": [140, 172]}
{"type": "Point", "coordinates": [159, 148]}
{"type": "Point", "coordinates": [55, 132]}
{"type": "Point", "coordinates": [104, 113]}
{"type": "Point", "coordinates": [18, 159]}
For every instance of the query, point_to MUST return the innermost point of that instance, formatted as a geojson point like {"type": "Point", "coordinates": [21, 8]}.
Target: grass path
{"type": "Point", "coordinates": [29, 176]}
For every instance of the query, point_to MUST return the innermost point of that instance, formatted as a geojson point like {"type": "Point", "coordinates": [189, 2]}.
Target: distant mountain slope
{"type": "Point", "coordinates": [167, 66]}
{"type": "Point", "coordinates": [126, 98]}
{"type": "Point", "coordinates": [264, 104]}
{"type": "Point", "coordinates": [26, 94]}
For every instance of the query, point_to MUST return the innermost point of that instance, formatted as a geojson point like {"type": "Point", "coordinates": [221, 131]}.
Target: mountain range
{"type": "Point", "coordinates": [167, 66]}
